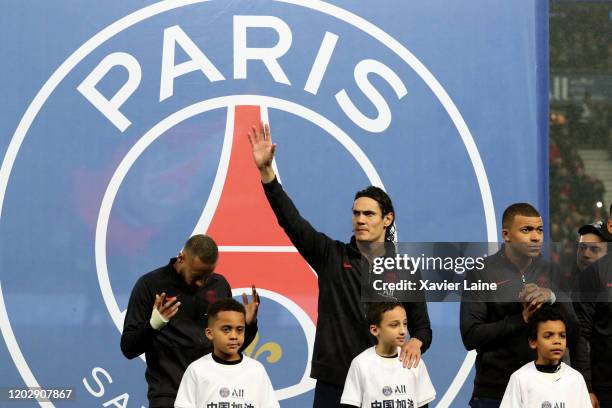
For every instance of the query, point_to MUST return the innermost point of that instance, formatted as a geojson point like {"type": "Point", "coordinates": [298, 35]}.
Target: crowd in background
{"type": "Point", "coordinates": [578, 49]}
{"type": "Point", "coordinates": [580, 36]}
{"type": "Point", "coordinates": [580, 45]}
{"type": "Point", "coordinates": [573, 192]}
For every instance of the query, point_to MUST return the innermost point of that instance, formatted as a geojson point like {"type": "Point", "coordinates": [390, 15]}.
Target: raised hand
{"type": "Point", "coordinates": [252, 306]}
{"type": "Point", "coordinates": [263, 150]}
{"type": "Point", "coordinates": [164, 309]}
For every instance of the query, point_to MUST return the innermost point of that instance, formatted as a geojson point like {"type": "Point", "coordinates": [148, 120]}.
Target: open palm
{"type": "Point", "coordinates": [261, 145]}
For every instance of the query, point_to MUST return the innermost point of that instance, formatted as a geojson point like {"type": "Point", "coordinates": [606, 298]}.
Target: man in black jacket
{"type": "Point", "coordinates": [495, 322]}
{"type": "Point", "coordinates": [342, 331]}
{"type": "Point", "coordinates": [591, 244]}
{"type": "Point", "coordinates": [594, 310]}
{"type": "Point", "coordinates": [166, 317]}
{"type": "Point", "coordinates": [595, 314]}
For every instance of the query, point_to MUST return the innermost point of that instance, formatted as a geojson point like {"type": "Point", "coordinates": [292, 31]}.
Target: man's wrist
{"type": "Point", "coordinates": [416, 340]}
{"type": "Point", "coordinates": [157, 321]}
{"type": "Point", "coordinates": [267, 174]}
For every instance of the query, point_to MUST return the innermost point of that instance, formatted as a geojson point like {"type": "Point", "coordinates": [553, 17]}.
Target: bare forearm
{"type": "Point", "coordinates": [267, 174]}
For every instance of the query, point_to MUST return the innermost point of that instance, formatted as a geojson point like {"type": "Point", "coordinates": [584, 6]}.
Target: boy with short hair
{"type": "Point", "coordinates": [226, 378]}
{"type": "Point", "coordinates": [376, 376]}
{"type": "Point", "coordinates": [546, 382]}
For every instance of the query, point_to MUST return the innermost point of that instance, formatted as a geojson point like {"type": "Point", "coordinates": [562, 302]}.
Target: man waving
{"type": "Point", "coordinates": [341, 328]}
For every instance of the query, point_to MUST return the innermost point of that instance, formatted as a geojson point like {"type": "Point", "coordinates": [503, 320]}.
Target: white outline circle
{"type": "Point", "coordinates": [105, 34]}
{"type": "Point", "coordinates": [168, 123]}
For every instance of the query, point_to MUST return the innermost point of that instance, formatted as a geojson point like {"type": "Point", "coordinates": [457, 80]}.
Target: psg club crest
{"type": "Point", "coordinates": [138, 140]}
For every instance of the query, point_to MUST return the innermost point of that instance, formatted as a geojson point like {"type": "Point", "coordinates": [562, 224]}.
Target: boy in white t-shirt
{"type": "Point", "coordinates": [546, 382]}
{"type": "Point", "coordinates": [226, 378]}
{"type": "Point", "coordinates": [376, 378]}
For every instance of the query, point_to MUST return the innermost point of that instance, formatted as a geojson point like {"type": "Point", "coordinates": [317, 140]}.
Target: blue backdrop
{"type": "Point", "coordinates": [119, 124]}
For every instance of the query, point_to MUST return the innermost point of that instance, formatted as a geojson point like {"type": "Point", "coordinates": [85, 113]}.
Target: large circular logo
{"type": "Point", "coordinates": [138, 140]}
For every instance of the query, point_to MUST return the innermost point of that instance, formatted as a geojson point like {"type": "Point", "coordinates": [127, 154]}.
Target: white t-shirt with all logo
{"type": "Point", "coordinates": [207, 383]}
{"type": "Point", "coordinates": [529, 388]}
{"type": "Point", "coordinates": [373, 381]}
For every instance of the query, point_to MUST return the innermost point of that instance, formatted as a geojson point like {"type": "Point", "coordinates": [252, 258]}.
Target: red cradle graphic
{"type": "Point", "coordinates": [253, 246]}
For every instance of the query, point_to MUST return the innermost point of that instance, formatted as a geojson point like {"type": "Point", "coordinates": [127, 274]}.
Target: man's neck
{"type": "Point", "coordinates": [371, 250]}
{"type": "Point", "coordinates": [521, 262]}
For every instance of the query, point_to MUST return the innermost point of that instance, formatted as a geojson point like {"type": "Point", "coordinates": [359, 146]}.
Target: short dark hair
{"type": "Point", "coordinates": [204, 247]}
{"type": "Point", "coordinates": [224, 305]}
{"type": "Point", "coordinates": [545, 313]}
{"type": "Point", "coordinates": [377, 309]}
{"type": "Point", "coordinates": [386, 206]}
{"type": "Point", "coordinates": [524, 209]}
{"type": "Point", "coordinates": [610, 212]}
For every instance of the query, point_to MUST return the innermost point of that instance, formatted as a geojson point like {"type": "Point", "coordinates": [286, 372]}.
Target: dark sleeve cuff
{"type": "Point", "coordinates": [272, 185]}
{"type": "Point", "coordinates": [424, 335]}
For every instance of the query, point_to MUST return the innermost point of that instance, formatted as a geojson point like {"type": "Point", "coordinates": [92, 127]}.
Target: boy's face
{"type": "Point", "coordinates": [227, 334]}
{"type": "Point", "coordinates": [550, 343]}
{"type": "Point", "coordinates": [392, 329]}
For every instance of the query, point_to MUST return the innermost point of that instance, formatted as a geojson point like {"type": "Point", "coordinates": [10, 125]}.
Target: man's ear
{"type": "Point", "coordinates": [208, 333]}
{"type": "Point", "coordinates": [374, 330]}
{"type": "Point", "coordinates": [388, 219]}
{"type": "Point", "coordinates": [505, 235]}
